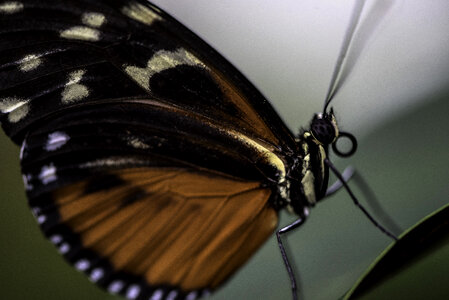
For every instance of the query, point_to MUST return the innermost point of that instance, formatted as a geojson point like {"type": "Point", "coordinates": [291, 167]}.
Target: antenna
{"type": "Point", "coordinates": [355, 18]}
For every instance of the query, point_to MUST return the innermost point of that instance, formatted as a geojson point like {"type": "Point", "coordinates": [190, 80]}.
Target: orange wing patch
{"type": "Point", "coordinates": [172, 227]}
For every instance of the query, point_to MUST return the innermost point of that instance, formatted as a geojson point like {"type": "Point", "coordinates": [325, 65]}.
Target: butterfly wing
{"type": "Point", "coordinates": [149, 231]}
{"type": "Point", "coordinates": [148, 159]}
{"type": "Point", "coordinates": [67, 53]}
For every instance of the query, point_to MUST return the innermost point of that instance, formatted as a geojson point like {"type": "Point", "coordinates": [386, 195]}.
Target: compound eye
{"type": "Point", "coordinates": [323, 131]}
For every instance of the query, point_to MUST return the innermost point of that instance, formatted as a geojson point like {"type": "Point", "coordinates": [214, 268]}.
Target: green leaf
{"type": "Point", "coordinates": [414, 267]}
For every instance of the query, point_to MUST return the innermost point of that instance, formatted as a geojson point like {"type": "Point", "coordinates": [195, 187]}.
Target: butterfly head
{"type": "Point", "coordinates": [324, 128]}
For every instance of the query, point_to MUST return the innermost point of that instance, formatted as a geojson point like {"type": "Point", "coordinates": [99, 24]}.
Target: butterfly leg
{"type": "Point", "coordinates": [356, 201]}
{"type": "Point", "coordinates": [374, 203]}
{"type": "Point", "coordinates": [291, 274]}
{"type": "Point", "coordinates": [337, 185]}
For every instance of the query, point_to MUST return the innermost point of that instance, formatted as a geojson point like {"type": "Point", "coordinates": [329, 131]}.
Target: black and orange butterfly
{"type": "Point", "coordinates": [149, 161]}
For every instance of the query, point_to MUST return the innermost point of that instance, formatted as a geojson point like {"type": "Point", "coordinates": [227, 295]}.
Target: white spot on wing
{"type": "Point", "coordinates": [140, 13]}
{"type": "Point", "coordinates": [16, 108]}
{"type": "Point", "coordinates": [75, 91]}
{"type": "Point", "coordinates": [35, 211]}
{"type": "Point", "coordinates": [56, 140]}
{"type": "Point", "coordinates": [64, 248]}
{"type": "Point", "coordinates": [96, 274]}
{"type": "Point", "coordinates": [48, 174]}
{"type": "Point", "coordinates": [11, 7]}
{"type": "Point", "coordinates": [115, 286]}
{"type": "Point", "coordinates": [133, 291]}
{"type": "Point", "coordinates": [41, 219]}
{"type": "Point", "coordinates": [30, 62]}
{"type": "Point", "coordinates": [82, 265]}
{"type": "Point", "coordinates": [172, 295]}
{"type": "Point", "coordinates": [157, 295]}
{"type": "Point", "coordinates": [56, 239]}
{"type": "Point", "coordinates": [93, 19]}
{"type": "Point", "coordinates": [192, 295]}
{"type": "Point", "coordinates": [81, 33]}
{"type": "Point", "coordinates": [161, 60]}
{"type": "Point", "coordinates": [26, 181]}
{"type": "Point", "coordinates": [22, 149]}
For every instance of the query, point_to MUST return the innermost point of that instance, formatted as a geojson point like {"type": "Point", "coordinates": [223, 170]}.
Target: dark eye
{"type": "Point", "coordinates": [323, 131]}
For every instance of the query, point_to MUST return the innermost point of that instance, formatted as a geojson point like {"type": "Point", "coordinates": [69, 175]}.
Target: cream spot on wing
{"type": "Point", "coordinates": [11, 7]}
{"type": "Point", "coordinates": [113, 162]}
{"type": "Point", "coordinates": [10, 104]}
{"type": "Point", "coordinates": [137, 143]}
{"type": "Point", "coordinates": [268, 157]}
{"type": "Point", "coordinates": [81, 33]}
{"type": "Point", "coordinates": [19, 113]}
{"type": "Point", "coordinates": [161, 60]}
{"type": "Point", "coordinates": [140, 13]}
{"type": "Point", "coordinates": [30, 62]}
{"type": "Point", "coordinates": [16, 108]}
{"type": "Point", "coordinates": [93, 19]}
{"type": "Point", "coordinates": [74, 91]}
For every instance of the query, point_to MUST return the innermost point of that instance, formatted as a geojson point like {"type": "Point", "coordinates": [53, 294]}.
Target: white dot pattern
{"type": "Point", "coordinates": [133, 291]}
{"type": "Point", "coordinates": [48, 174]}
{"type": "Point", "coordinates": [82, 265]}
{"type": "Point", "coordinates": [56, 140]}
{"type": "Point", "coordinates": [64, 248]}
{"type": "Point", "coordinates": [192, 295]}
{"type": "Point", "coordinates": [96, 274]}
{"type": "Point", "coordinates": [157, 295]}
{"type": "Point", "coordinates": [115, 286]}
{"type": "Point", "coordinates": [172, 295]}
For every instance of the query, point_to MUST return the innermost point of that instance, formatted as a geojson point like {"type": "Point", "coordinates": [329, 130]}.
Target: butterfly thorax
{"type": "Point", "coordinates": [312, 172]}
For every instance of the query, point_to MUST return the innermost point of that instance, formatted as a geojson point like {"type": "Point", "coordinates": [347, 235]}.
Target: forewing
{"type": "Point", "coordinates": [57, 55]}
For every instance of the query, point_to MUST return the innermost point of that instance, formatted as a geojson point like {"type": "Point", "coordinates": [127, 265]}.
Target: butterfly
{"type": "Point", "coordinates": [149, 161]}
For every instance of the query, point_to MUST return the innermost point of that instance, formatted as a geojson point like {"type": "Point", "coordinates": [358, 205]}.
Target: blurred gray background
{"type": "Point", "coordinates": [395, 100]}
